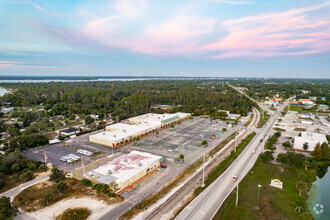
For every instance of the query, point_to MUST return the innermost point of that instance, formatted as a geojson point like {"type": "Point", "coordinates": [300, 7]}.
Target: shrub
{"type": "Point", "coordinates": [48, 197]}
{"type": "Point", "coordinates": [86, 182]}
{"type": "Point", "coordinates": [32, 166]}
{"type": "Point", "coordinates": [267, 156]}
{"type": "Point", "coordinates": [60, 186]}
{"type": "Point", "coordinates": [224, 129]}
{"type": "Point", "coordinates": [7, 210]}
{"type": "Point", "coordinates": [287, 144]}
{"type": "Point", "coordinates": [56, 175]}
{"type": "Point", "coordinates": [42, 167]}
{"type": "Point", "coordinates": [28, 175]}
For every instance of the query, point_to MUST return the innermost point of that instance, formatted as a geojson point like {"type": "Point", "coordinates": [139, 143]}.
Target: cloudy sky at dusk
{"type": "Point", "coordinates": [247, 38]}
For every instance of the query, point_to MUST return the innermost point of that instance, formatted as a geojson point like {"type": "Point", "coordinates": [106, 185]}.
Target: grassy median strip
{"type": "Point", "coordinates": [249, 121]}
{"type": "Point", "coordinates": [264, 117]}
{"type": "Point", "coordinates": [178, 179]}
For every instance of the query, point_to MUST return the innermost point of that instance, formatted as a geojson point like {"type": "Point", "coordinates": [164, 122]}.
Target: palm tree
{"type": "Point", "coordinates": [301, 186]}
{"type": "Point", "coordinates": [306, 216]}
{"type": "Point", "coordinates": [306, 164]}
{"type": "Point", "coordinates": [300, 205]}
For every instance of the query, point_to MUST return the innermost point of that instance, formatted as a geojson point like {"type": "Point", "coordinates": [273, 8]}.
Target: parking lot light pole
{"type": "Point", "coordinates": [259, 186]}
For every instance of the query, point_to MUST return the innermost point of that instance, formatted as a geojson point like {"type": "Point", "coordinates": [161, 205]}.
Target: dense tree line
{"type": "Point", "coordinates": [126, 99]}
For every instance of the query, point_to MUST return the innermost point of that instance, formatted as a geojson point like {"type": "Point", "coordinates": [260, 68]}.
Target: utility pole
{"type": "Point", "coordinates": [235, 140]}
{"type": "Point", "coordinates": [82, 163]}
{"type": "Point", "coordinates": [259, 186]}
{"type": "Point", "coordinates": [45, 157]}
{"type": "Point", "coordinates": [112, 150]}
{"type": "Point", "coordinates": [203, 170]}
{"type": "Point", "coordinates": [237, 195]}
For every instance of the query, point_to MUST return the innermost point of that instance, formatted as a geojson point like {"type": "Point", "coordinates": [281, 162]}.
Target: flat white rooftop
{"type": "Point", "coordinates": [311, 138]}
{"type": "Point", "coordinates": [118, 132]}
{"type": "Point", "coordinates": [126, 166]}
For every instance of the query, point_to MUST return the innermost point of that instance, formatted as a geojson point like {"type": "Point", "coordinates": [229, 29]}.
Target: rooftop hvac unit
{"type": "Point", "coordinates": [103, 133]}
{"type": "Point", "coordinates": [124, 130]}
{"type": "Point", "coordinates": [114, 135]}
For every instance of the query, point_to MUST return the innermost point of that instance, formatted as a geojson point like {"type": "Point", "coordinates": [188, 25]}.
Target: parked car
{"type": "Point", "coordinates": [160, 170]}
{"type": "Point", "coordinates": [163, 166]}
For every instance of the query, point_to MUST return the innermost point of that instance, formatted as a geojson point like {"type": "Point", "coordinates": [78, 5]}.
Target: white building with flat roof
{"type": "Point", "coordinates": [120, 133]}
{"type": "Point", "coordinates": [123, 172]}
{"type": "Point", "coordinates": [311, 138]}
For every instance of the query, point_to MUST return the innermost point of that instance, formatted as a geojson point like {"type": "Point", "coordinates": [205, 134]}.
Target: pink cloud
{"type": "Point", "coordinates": [277, 34]}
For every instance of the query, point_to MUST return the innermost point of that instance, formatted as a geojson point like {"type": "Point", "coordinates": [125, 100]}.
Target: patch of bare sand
{"type": "Point", "coordinates": [97, 208]}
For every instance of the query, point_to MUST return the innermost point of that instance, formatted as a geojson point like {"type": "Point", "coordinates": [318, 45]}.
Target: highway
{"type": "Point", "coordinates": [206, 204]}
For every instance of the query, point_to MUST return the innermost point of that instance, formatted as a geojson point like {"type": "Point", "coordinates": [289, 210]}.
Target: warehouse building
{"type": "Point", "coordinates": [310, 138]}
{"type": "Point", "coordinates": [122, 173]}
{"type": "Point", "coordinates": [118, 134]}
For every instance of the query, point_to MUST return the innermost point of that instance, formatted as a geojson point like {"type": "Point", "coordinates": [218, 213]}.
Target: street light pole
{"type": "Point", "coordinates": [237, 195]}
{"type": "Point", "coordinates": [259, 186]}
{"type": "Point", "coordinates": [203, 170]}
{"type": "Point", "coordinates": [235, 140]}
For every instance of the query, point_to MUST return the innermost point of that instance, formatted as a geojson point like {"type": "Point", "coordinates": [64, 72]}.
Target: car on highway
{"type": "Point", "coordinates": [234, 178]}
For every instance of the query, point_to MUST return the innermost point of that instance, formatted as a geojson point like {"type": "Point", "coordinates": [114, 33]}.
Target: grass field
{"type": "Point", "coordinates": [274, 203]}
{"type": "Point", "coordinates": [74, 214]}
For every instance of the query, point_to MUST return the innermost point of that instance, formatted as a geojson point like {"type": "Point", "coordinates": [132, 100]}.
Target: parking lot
{"type": "Point", "coordinates": [184, 138]}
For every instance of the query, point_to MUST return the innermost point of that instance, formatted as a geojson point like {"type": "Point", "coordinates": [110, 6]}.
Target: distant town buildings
{"type": "Point", "coordinates": [310, 138]}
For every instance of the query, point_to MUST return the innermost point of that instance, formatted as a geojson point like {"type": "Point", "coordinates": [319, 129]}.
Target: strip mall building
{"type": "Point", "coordinates": [121, 133]}
{"type": "Point", "coordinates": [122, 173]}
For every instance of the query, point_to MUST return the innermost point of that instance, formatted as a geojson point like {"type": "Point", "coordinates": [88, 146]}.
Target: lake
{"type": "Point", "coordinates": [319, 198]}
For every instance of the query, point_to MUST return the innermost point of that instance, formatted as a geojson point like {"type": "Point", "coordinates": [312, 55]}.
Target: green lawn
{"type": "Point", "coordinates": [274, 203]}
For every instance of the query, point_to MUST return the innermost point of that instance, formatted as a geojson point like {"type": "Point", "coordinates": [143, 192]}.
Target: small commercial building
{"type": "Point", "coordinates": [306, 122]}
{"type": "Point", "coordinates": [323, 107]}
{"type": "Point", "coordinates": [118, 134]}
{"type": "Point", "coordinates": [306, 116]}
{"type": "Point", "coordinates": [122, 173]}
{"type": "Point", "coordinates": [310, 138]}
{"type": "Point", "coordinates": [69, 131]}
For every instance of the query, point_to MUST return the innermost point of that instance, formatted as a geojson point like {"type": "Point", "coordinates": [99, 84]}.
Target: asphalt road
{"type": "Point", "coordinates": [206, 205]}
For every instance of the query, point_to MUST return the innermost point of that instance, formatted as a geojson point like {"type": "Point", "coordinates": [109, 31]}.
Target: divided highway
{"type": "Point", "coordinates": [206, 204]}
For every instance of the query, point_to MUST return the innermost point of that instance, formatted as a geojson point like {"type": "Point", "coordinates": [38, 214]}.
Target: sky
{"type": "Point", "coordinates": [209, 38]}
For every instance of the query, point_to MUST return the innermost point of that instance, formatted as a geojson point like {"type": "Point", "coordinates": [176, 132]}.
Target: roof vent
{"type": "Point", "coordinates": [114, 135]}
